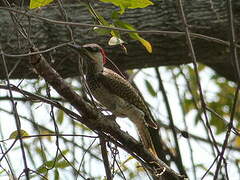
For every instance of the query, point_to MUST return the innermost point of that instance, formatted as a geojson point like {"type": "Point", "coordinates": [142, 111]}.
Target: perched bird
{"type": "Point", "coordinates": [116, 93]}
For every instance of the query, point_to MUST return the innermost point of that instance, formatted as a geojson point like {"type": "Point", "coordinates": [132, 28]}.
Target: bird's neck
{"type": "Point", "coordinates": [94, 69]}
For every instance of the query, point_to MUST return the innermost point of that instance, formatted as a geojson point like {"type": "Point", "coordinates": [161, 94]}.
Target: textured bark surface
{"type": "Point", "coordinates": [202, 16]}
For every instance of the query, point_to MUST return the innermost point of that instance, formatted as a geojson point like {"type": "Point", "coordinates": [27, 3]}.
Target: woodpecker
{"type": "Point", "coordinates": [116, 93]}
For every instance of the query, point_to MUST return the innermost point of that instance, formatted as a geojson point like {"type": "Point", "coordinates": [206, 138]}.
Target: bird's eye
{"type": "Point", "coordinates": [93, 49]}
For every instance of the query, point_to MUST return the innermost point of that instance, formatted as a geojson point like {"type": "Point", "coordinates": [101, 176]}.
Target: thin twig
{"type": "Point", "coordinates": [234, 60]}
{"type": "Point", "coordinates": [8, 161]}
{"type": "Point", "coordinates": [179, 162]}
{"type": "Point", "coordinates": [194, 61]}
{"type": "Point", "coordinates": [39, 52]}
{"type": "Point", "coordinates": [65, 16]}
{"type": "Point", "coordinates": [230, 125]}
{"type": "Point", "coordinates": [208, 170]}
{"type": "Point", "coordinates": [82, 160]}
{"type": "Point", "coordinates": [195, 102]}
{"type": "Point", "coordinates": [185, 123]}
{"type": "Point", "coordinates": [31, 99]}
{"type": "Point", "coordinates": [17, 119]}
{"type": "Point", "coordinates": [48, 91]}
{"type": "Point", "coordinates": [51, 133]}
{"type": "Point", "coordinates": [105, 158]}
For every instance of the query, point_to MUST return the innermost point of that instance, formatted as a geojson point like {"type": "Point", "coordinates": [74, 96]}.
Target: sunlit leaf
{"type": "Point", "coordinates": [146, 44]}
{"type": "Point", "coordinates": [50, 164]}
{"type": "Point", "coordinates": [42, 169]}
{"type": "Point", "coordinates": [123, 164]}
{"type": "Point", "coordinates": [115, 41]}
{"type": "Point", "coordinates": [101, 31]}
{"type": "Point", "coordinates": [134, 35]}
{"type": "Point", "coordinates": [39, 3]}
{"type": "Point", "coordinates": [62, 164]}
{"type": "Point", "coordinates": [132, 4]}
{"type": "Point", "coordinates": [14, 134]}
{"type": "Point", "coordinates": [45, 166]}
{"type": "Point", "coordinates": [128, 159]}
{"type": "Point", "coordinates": [97, 16]}
{"type": "Point", "coordinates": [64, 152]}
{"type": "Point", "coordinates": [125, 25]}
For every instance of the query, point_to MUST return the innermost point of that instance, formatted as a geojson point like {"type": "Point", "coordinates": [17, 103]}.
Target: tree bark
{"type": "Point", "coordinates": [168, 49]}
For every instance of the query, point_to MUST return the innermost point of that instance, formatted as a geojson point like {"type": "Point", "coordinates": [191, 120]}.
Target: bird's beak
{"type": "Point", "coordinates": [75, 46]}
{"type": "Point", "coordinates": [81, 50]}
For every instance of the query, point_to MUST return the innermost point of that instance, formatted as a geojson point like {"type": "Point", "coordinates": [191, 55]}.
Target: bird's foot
{"type": "Point", "coordinates": [111, 117]}
{"type": "Point", "coordinates": [158, 170]}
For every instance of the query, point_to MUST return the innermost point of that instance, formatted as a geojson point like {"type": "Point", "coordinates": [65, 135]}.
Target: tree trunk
{"type": "Point", "coordinates": [168, 49]}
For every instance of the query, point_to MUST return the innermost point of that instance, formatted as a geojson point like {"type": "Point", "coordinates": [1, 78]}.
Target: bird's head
{"type": "Point", "coordinates": [96, 55]}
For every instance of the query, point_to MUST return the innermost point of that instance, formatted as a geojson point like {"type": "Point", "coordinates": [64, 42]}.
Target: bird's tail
{"type": "Point", "coordinates": [146, 138]}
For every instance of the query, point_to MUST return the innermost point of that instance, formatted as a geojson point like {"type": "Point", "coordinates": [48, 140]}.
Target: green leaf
{"type": "Point", "coordinates": [82, 126]}
{"type": "Point", "coordinates": [39, 3]}
{"type": "Point", "coordinates": [146, 44]}
{"type": "Point", "coordinates": [115, 15]}
{"type": "Point", "coordinates": [135, 36]}
{"type": "Point", "coordinates": [101, 31]}
{"type": "Point", "coordinates": [150, 88]}
{"type": "Point", "coordinates": [42, 169]}
{"type": "Point", "coordinates": [188, 105]}
{"type": "Point", "coordinates": [218, 124]}
{"type": "Point", "coordinates": [125, 25]}
{"type": "Point", "coordinates": [45, 166]}
{"type": "Point", "coordinates": [102, 21]}
{"type": "Point", "coordinates": [50, 164]}
{"type": "Point", "coordinates": [127, 160]}
{"type": "Point", "coordinates": [201, 166]}
{"type": "Point", "coordinates": [97, 16]}
{"type": "Point", "coordinates": [62, 164]}
{"type": "Point", "coordinates": [64, 152]}
{"type": "Point", "coordinates": [41, 153]}
{"type": "Point", "coordinates": [201, 67]}
{"type": "Point", "coordinates": [60, 116]}
{"type": "Point", "coordinates": [56, 174]}
{"type": "Point", "coordinates": [131, 4]}
{"type": "Point", "coordinates": [14, 134]}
